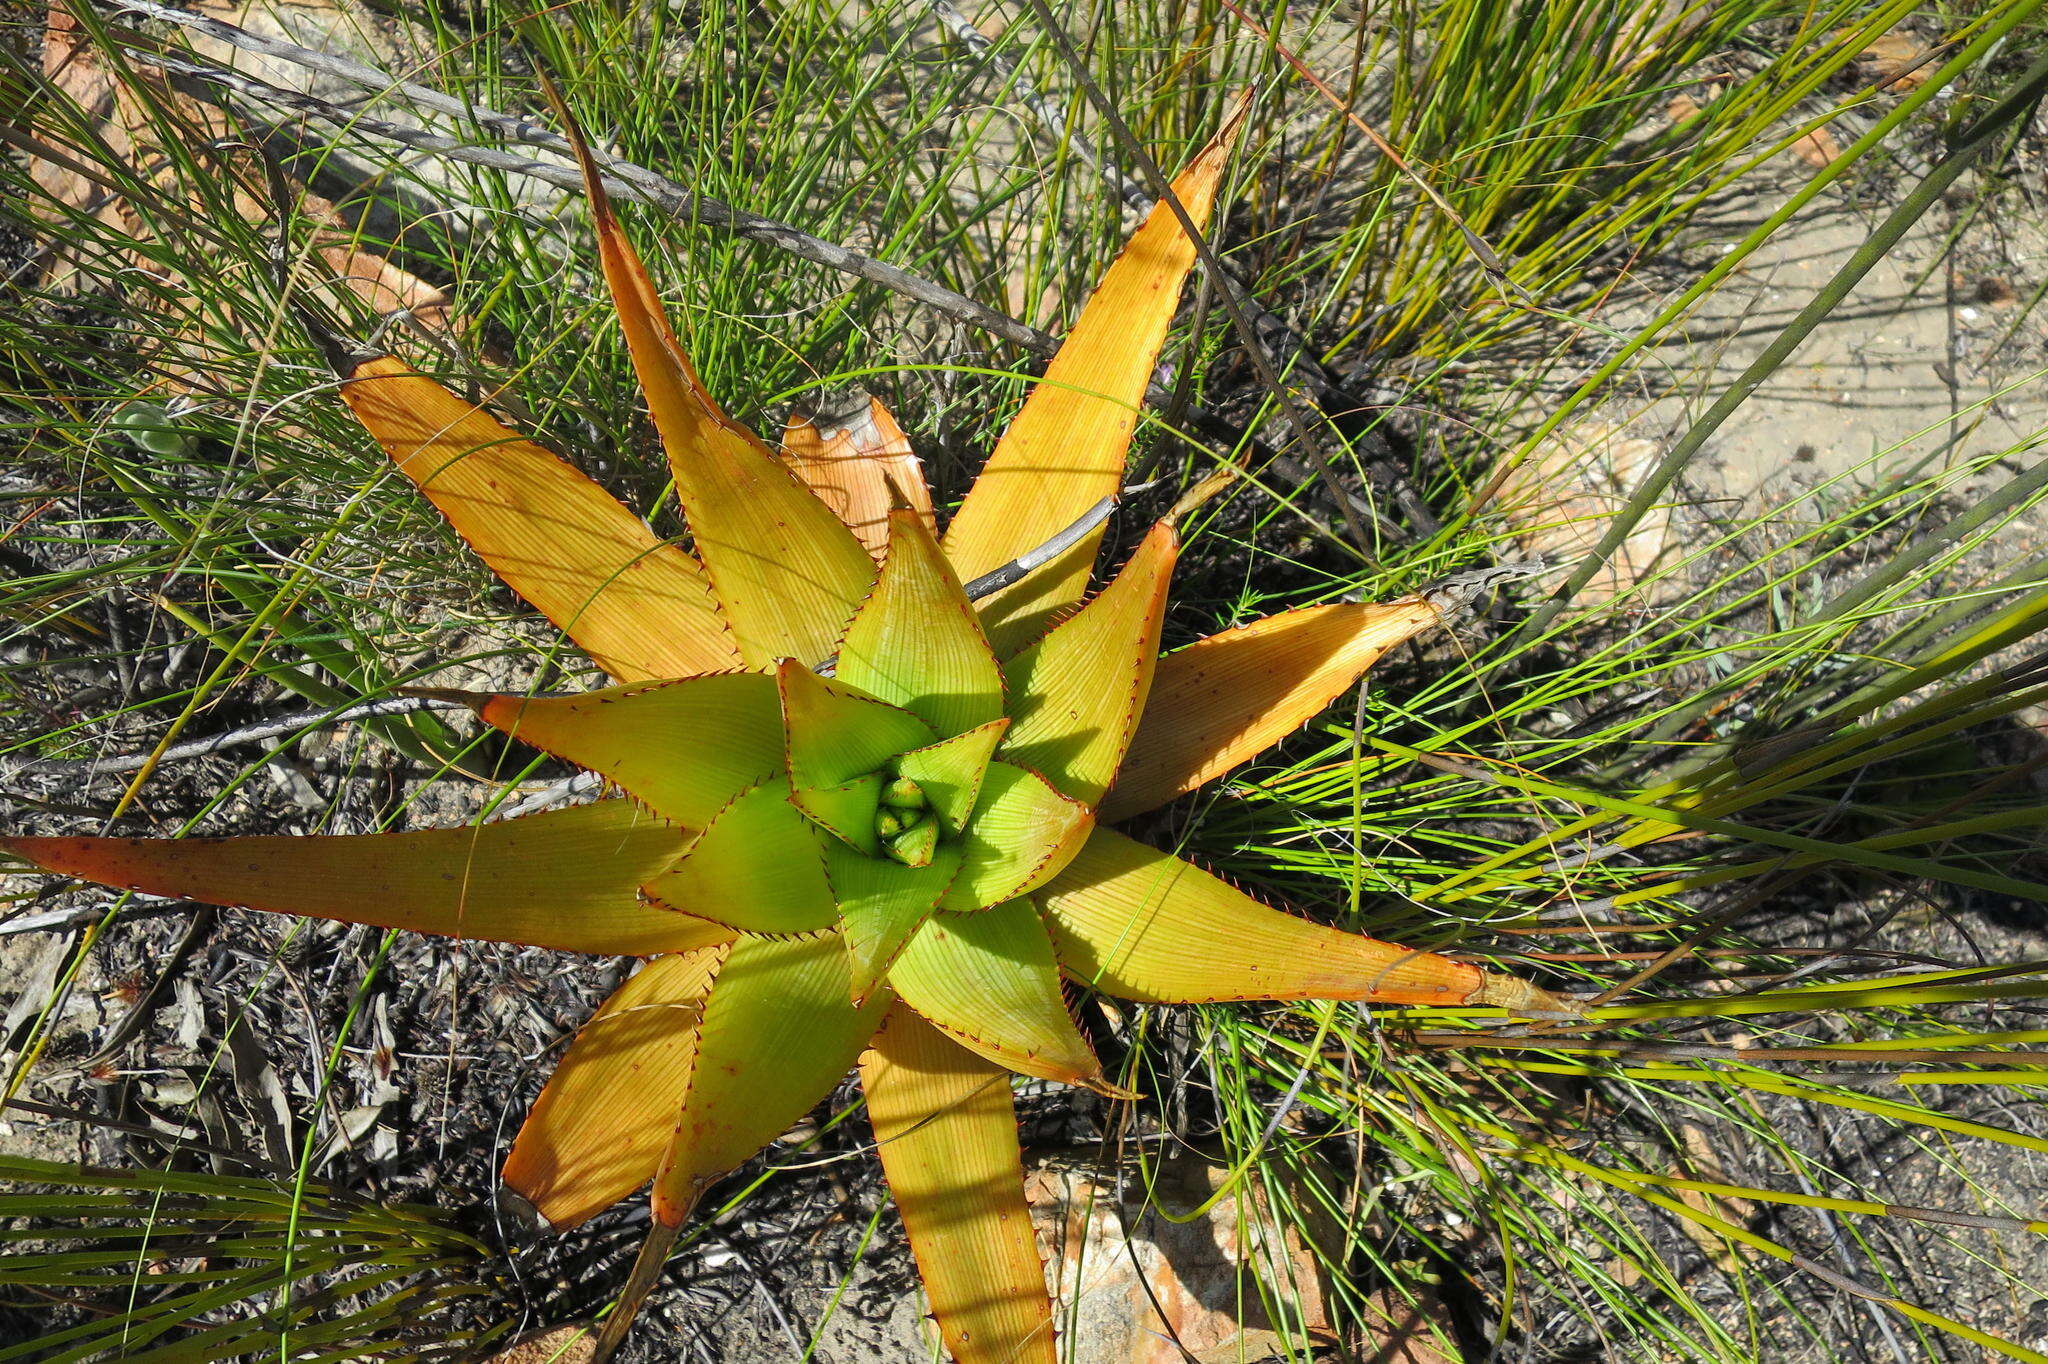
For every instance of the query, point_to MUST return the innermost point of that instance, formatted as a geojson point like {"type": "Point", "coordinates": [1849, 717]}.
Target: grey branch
{"type": "Point", "coordinates": [636, 182]}
{"type": "Point", "coordinates": [993, 581]}
{"type": "Point", "coordinates": [623, 178]}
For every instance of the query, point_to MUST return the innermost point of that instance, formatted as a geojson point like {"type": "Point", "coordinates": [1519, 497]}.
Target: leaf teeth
{"type": "Point", "coordinates": [991, 981]}
{"type": "Point", "coordinates": [1076, 694]}
{"type": "Point", "coordinates": [833, 733]}
{"type": "Point", "coordinates": [917, 642]}
{"type": "Point", "coordinates": [882, 904]}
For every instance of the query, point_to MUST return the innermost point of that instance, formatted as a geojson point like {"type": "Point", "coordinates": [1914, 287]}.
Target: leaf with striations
{"type": "Point", "coordinates": [565, 879]}
{"type": "Point", "coordinates": [1144, 925]}
{"type": "Point", "coordinates": [835, 733]}
{"type": "Point", "coordinates": [950, 772]}
{"type": "Point", "coordinates": [917, 642]}
{"type": "Point", "coordinates": [846, 811]}
{"type": "Point", "coordinates": [991, 983]}
{"type": "Point", "coordinates": [881, 903]}
{"type": "Point", "coordinates": [861, 470]}
{"type": "Point", "coordinates": [636, 604]}
{"type": "Point", "coordinates": [1065, 450]}
{"type": "Point", "coordinates": [683, 748]}
{"type": "Point", "coordinates": [1020, 835]}
{"type": "Point", "coordinates": [1077, 693]}
{"type": "Point", "coordinates": [777, 1034]}
{"type": "Point", "coordinates": [946, 1130]}
{"type": "Point", "coordinates": [599, 1127]}
{"type": "Point", "coordinates": [1224, 700]}
{"type": "Point", "coordinates": [786, 571]}
{"type": "Point", "coordinates": [757, 867]}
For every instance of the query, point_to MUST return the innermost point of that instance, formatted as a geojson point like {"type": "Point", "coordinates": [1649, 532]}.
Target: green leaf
{"type": "Point", "coordinates": [1021, 834]}
{"type": "Point", "coordinates": [758, 868]}
{"type": "Point", "coordinates": [917, 642]}
{"type": "Point", "coordinates": [950, 771]}
{"type": "Point", "coordinates": [990, 982]}
{"type": "Point", "coordinates": [836, 733]}
{"type": "Point", "coordinates": [881, 903]}
{"type": "Point", "coordinates": [847, 812]}
{"type": "Point", "coordinates": [777, 1034]}
{"type": "Point", "coordinates": [683, 748]}
{"type": "Point", "coordinates": [1075, 695]}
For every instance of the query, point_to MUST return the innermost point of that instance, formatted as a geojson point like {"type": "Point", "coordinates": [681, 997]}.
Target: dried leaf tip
{"type": "Point", "coordinates": [1519, 996]}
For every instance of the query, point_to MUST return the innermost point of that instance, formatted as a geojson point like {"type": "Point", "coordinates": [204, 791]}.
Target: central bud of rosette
{"type": "Point", "coordinates": [905, 823]}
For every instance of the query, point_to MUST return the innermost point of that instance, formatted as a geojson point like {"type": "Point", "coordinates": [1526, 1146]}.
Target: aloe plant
{"type": "Point", "coordinates": [895, 865]}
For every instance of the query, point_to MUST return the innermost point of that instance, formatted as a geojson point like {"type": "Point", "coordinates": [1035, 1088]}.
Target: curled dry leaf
{"type": "Point", "coordinates": [1897, 60]}
{"type": "Point", "coordinates": [138, 117]}
{"type": "Point", "coordinates": [1558, 501]}
{"type": "Point", "coordinates": [1139, 1288]}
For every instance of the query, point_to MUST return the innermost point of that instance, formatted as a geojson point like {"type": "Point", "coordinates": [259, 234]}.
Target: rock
{"type": "Point", "coordinates": [1210, 1278]}
{"type": "Point", "coordinates": [1559, 499]}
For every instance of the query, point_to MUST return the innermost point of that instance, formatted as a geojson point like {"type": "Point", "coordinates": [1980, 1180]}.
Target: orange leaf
{"type": "Point", "coordinates": [860, 470]}
{"type": "Point", "coordinates": [1142, 924]}
{"type": "Point", "coordinates": [786, 571]}
{"type": "Point", "coordinates": [947, 1134]}
{"type": "Point", "coordinates": [1224, 700]}
{"type": "Point", "coordinates": [1075, 695]}
{"type": "Point", "coordinates": [635, 603]}
{"type": "Point", "coordinates": [599, 1128]}
{"type": "Point", "coordinates": [1065, 451]}
{"type": "Point", "coordinates": [566, 879]}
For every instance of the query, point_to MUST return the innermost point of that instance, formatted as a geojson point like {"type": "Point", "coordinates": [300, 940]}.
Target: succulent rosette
{"type": "Point", "coordinates": [859, 818]}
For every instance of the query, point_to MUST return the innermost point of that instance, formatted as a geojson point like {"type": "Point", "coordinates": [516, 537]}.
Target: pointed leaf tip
{"type": "Point", "coordinates": [565, 879]}
{"type": "Point", "coordinates": [1222, 701]}
{"type": "Point", "coordinates": [1076, 694]}
{"type": "Point", "coordinates": [786, 572]}
{"type": "Point", "coordinates": [683, 748]}
{"type": "Point", "coordinates": [1065, 451]}
{"type": "Point", "coordinates": [1144, 925]}
{"type": "Point", "coordinates": [917, 642]}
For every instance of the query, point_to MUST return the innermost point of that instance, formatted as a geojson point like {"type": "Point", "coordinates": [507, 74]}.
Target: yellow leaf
{"type": "Point", "coordinates": [990, 982]}
{"type": "Point", "coordinates": [787, 573]}
{"type": "Point", "coordinates": [947, 1134]}
{"type": "Point", "coordinates": [778, 1033]}
{"type": "Point", "coordinates": [1223, 701]}
{"type": "Point", "coordinates": [635, 603]}
{"type": "Point", "coordinates": [1065, 450]}
{"type": "Point", "coordinates": [1143, 925]}
{"type": "Point", "coordinates": [917, 642]}
{"type": "Point", "coordinates": [683, 748]}
{"type": "Point", "coordinates": [567, 879]}
{"type": "Point", "coordinates": [599, 1128]}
